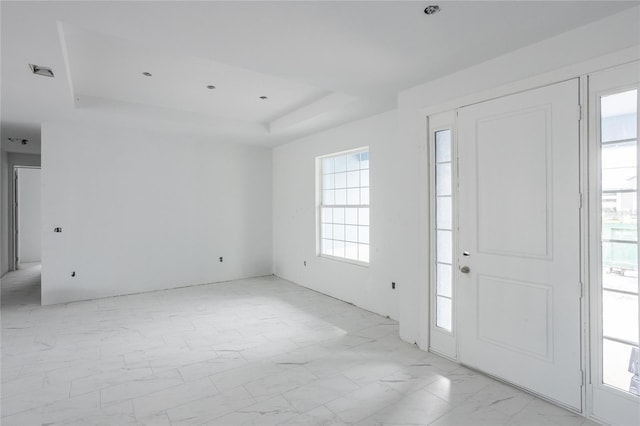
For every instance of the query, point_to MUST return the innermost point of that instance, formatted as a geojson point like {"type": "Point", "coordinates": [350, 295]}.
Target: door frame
{"type": "Point", "coordinates": [592, 235]}
{"type": "Point", "coordinates": [15, 217]}
{"type": "Point", "coordinates": [584, 223]}
{"type": "Point", "coordinates": [15, 161]}
{"type": "Point", "coordinates": [581, 71]}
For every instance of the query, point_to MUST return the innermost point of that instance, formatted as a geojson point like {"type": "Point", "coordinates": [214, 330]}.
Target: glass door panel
{"type": "Point", "coordinates": [619, 240]}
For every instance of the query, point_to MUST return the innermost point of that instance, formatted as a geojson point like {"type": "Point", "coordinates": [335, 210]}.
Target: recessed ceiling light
{"type": "Point", "coordinates": [263, 97]}
{"type": "Point", "coordinates": [211, 87]}
{"type": "Point", "coordinates": [432, 9]}
{"type": "Point", "coordinates": [40, 70]}
{"type": "Point", "coordinates": [146, 74]}
{"type": "Point", "coordinates": [19, 140]}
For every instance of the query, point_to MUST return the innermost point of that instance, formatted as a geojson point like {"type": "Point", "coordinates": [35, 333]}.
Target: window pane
{"type": "Point", "coordinates": [620, 154]}
{"type": "Point", "coordinates": [443, 312]}
{"type": "Point", "coordinates": [353, 161]}
{"type": "Point", "coordinates": [353, 196]}
{"type": "Point", "coordinates": [338, 248]}
{"type": "Point", "coordinates": [341, 180]}
{"type": "Point", "coordinates": [364, 160]}
{"type": "Point", "coordinates": [351, 251]}
{"type": "Point", "coordinates": [327, 165]}
{"type": "Point", "coordinates": [328, 196]}
{"type": "Point", "coordinates": [327, 215]}
{"type": "Point", "coordinates": [619, 116]}
{"type": "Point", "coordinates": [338, 215]}
{"type": "Point", "coordinates": [351, 216]}
{"type": "Point", "coordinates": [618, 361]}
{"type": "Point", "coordinates": [443, 212]}
{"type": "Point", "coordinates": [443, 179]}
{"type": "Point", "coordinates": [327, 230]}
{"type": "Point", "coordinates": [619, 210]}
{"type": "Point", "coordinates": [327, 181]}
{"type": "Point", "coordinates": [338, 232]}
{"type": "Point", "coordinates": [363, 252]}
{"type": "Point", "coordinates": [351, 233]}
{"type": "Point", "coordinates": [364, 196]}
{"type": "Point", "coordinates": [363, 234]}
{"type": "Point", "coordinates": [619, 226]}
{"type": "Point", "coordinates": [327, 247]}
{"type": "Point", "coordinates": [353, 179]}
{"type": "Point", "coordinates": [619, 279]}
{"type": "Point", "coordinates": [364, 177]}
{"type": "Point", "coordinates": [620, 312]}
{"type": "Point", "coordinates": [341, 196]}
{"type": "Point", "coordinates": [443, 280]}
{"type": "Point", "coordinates": [443, 146]}
{"type": "Point", "coordinates": [443, 246]}
{"type": "Point", "coordinates": [618, 178]}
{"type": "Point", "coordinates": [341, 164]}
{"type": "Point", "coordinates": [363, 216]}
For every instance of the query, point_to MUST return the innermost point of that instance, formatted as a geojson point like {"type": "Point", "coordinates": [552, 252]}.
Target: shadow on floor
{"type": "Point", "coordinates": [21, 287]}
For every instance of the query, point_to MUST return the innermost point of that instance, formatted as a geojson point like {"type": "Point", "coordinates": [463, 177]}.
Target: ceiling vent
{"type": "Point", "coordinates": [19, 140]}
{"type": "Point", "coordinates": [39, 70]}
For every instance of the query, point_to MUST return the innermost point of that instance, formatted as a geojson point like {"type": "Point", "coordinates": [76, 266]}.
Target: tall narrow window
{"type": "Point", "coordinates": [619, 240]}
{"type": "Point", "coordinates": [344, 206]}
{"type": "Point", "coordinates": [443, 228]}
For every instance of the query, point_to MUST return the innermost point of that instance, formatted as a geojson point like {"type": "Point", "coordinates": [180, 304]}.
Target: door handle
{"type": "Point", "coordinates": [465, 269]}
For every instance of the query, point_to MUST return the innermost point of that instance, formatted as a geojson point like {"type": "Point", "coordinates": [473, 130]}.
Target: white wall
{"type": "Point", "coordinates": [294, 201]}
{"type": "Point", "coordinates": [4, 212]}
{"type": "Point", "coordinates": [29, 226]}
{"type": "Point", "coordinates": [143, 211]}
{"type": "Point", "coordinates": [602, 44]}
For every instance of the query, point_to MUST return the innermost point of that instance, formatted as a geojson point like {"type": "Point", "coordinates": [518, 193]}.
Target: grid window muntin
{"type": "Point", "coordinates": [344, 206]}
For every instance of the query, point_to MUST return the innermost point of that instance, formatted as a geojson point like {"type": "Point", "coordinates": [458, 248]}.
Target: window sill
{"type": "Point", "coordinates": [344, 260]}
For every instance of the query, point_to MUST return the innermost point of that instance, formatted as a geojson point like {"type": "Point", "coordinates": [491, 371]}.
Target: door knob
{"type": "Point", "coordinates": [465, 270]}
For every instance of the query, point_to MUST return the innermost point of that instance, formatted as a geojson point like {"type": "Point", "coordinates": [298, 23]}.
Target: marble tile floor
{"type": "Point", "coordinates": [260, 351]}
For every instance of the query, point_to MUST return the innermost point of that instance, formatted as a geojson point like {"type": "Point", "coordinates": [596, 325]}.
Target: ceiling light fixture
{"type": "Point", "coordinates": [147, 74]}
{"type": "Point", "coordinates": [263, 97]}
{"type": "Point", "coordinates": [432, 9]}
{"type": "Point", "coordinates": [40, 70]}
{"type": "Point", "coordinates": [19, 140]}
{"type": "Point", "coordinates": [211, 87]}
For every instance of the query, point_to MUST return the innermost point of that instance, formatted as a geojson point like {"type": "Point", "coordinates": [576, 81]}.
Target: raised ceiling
{"type": "Point", "coordinates": [319, 63]}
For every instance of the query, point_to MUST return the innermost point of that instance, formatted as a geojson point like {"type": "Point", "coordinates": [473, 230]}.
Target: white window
{"type": "Point", "coordinates": [443, 262]}
{"type": "Point", "coordinates": [344, 205]}
{"type": "Point", "coordinates": [443, 229]}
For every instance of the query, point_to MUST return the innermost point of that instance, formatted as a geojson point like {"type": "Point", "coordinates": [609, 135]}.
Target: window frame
{"type": "Point", "coordinates": [442, 341]}
{"type": "Point", "coordinates": [320, 205]}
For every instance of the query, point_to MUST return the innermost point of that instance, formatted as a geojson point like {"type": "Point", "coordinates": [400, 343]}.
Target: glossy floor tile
{"type": "Point", "coordinates": [262, 351]}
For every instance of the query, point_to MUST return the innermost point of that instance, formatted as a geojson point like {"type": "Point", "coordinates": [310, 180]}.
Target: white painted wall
{"type": "Point", "coordinates": [143, 211]}
{"type": "Point", "coordinates": [294, 201]}
{"type": "Point", "coordinates": [4, 212]}
{"type": "Point", "coordinates": [29, 225]}
{"type": "Point", "coordinates": [602, 44]}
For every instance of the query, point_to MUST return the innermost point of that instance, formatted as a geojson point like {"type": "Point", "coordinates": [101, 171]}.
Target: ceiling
{"type": "Point", "coordinates": [319, 63]}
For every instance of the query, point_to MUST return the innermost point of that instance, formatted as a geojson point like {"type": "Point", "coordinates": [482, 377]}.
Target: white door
{"type": "Point", "coordinates": [519, 236]}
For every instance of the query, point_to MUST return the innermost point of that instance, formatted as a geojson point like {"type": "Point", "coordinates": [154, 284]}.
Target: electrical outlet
{"type": "Point", "coordinates": [393, 285]}
{"type": "Point", "coordinates": [220, 259]}
{"type": "Point", "coordinates": [305, 263]}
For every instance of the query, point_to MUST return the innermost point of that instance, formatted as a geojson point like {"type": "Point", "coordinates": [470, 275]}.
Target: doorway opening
{"type": "Point", "coordinates": [22, 284]}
